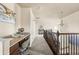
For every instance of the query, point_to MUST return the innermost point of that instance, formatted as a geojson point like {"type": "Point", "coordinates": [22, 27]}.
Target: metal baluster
{"type": "Point", "coordinates": [76, 44]}
{"type": "Point", "coordinates": [61, 44]}
{"type": "Point", "coordinates": [66, 43]}
{"type": "Point", "coordinates": [71, 44]}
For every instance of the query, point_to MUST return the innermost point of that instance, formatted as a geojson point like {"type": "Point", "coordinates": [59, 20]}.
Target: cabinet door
{"type": "Point", "coordinates": [15, 49]}
{"type": "Point", "coordinates": [17, 52]}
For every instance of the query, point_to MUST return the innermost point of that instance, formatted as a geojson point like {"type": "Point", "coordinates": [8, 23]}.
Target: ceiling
{"type": "Point", "coordinates": [52, 9]}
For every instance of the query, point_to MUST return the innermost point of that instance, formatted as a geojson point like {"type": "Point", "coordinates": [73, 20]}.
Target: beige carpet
{"type": "Point", "coordinates": [39, 47]}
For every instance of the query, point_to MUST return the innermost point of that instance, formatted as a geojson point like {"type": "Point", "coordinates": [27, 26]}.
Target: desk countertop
{"type": "Point", "coordinates": [14, 40]}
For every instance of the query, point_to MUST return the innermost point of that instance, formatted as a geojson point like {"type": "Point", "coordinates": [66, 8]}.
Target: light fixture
{"type": "Point", "coordinates": [37, 12]}
{"type": "Point", "coordinates": [6, 10]}
{"type": "Point", "coordinates": [61, 22]}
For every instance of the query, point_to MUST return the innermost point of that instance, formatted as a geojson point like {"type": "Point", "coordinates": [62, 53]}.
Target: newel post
{"type": "Point", "coordinates": [58, 44]}
{"type": "Point", "coordinates": [58, 35]}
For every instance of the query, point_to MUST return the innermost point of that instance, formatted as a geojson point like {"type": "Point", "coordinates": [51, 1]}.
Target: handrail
{"type": "Point", "coordinates": [67, 33]}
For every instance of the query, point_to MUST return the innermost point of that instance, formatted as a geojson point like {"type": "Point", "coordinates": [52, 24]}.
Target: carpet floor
{"type": "Point", "coordinates": [39, 47]}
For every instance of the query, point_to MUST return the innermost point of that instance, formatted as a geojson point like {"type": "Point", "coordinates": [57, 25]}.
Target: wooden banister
{"type": "Point", "coordinates": [67, 33]}
{"type": "Point", "coordinates": [65, 42]}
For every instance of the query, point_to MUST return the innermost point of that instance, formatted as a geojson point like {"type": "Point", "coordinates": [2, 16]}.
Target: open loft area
{"type": "Point", "coordinates": [39, 28]}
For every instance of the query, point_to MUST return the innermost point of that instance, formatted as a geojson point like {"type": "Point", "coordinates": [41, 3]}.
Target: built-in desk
{"type": "Point", "coordinates": [11, 46]}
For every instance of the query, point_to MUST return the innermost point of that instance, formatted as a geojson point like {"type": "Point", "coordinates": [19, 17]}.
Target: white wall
{"type": "Point", "coordinates": [25, 20]}
{"type": "Point", "coordinates": [71, 23]}
{"type": "Point", "coordinates": [18, 16]}
{"type": "Point", "coordinates": [6, 29]}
